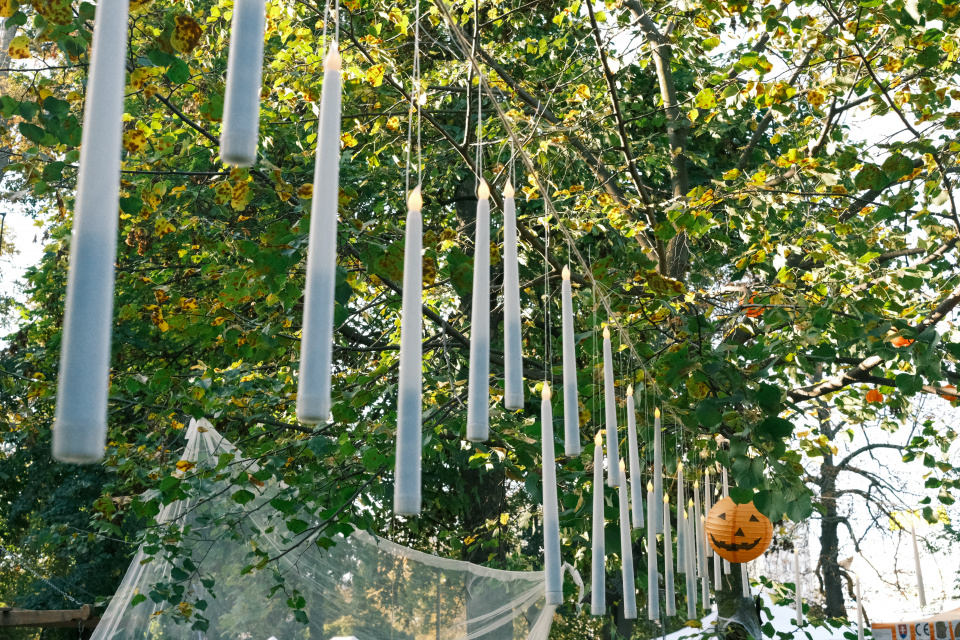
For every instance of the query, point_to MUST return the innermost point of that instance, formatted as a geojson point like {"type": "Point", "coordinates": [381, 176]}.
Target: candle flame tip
{"type": "Point", "coordinates": [623, 466]}
{"type": "Point", "coordinates": [483, 190]}
{"type": "Point", "coordinates": [606, 333]}
{"type": "Point", "coordinates": [656, 412]}
{"type": "Point", "coordinates": [415, 201]}
{"type": "Point", "coordinates": [650, 487]}
{"type": "Point", "coordinates": [546, 394]}
{"type": "Point", "coordinates": [599, 439]}
{"type": "Point", "coordinates": [508, 191]}
{"type": "Point", "coordinates": [666, 498]}
{"type": "Point", "coordinates": [630, 390]}
{"type": "Point", "coordinates": [333, 59]}
{"type": "Point", "coordinates": [565, 273]}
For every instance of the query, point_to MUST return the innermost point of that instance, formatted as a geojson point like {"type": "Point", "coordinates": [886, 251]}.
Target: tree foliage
{"type": "Point", "coordinates": [750, 253]}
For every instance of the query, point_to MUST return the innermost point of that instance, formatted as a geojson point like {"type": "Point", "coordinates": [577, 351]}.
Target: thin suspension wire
{"type": "Point", "coordinates": [547, 338]}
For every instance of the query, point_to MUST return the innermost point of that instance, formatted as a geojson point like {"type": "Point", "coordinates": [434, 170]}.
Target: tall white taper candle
{"type": "Point", "coordinates": [653, 572]}
{"type": "Point", "coordinates": [478, 395]}
{"type": "Point", "coordinates": [551, 516]}
{"type": "Point", "coordinates": [690, 555]}
{"type": "Point", "coordinates": [512, 345]}
{"type": "Point", "coordinates": [316, 344]}
{"type": "Point", "coordinates": [636, 487]}
{"type": "Point", "coordinates": [610, 405]}
{"type": "Point", "coordinates": [80, 427]}
{"type": "Point", "coordinates": [571, 407]}
{"type": "Point", "coordinates": [657, 504]}
{"type": "Point", "coordinates": [598, 596]}
{"type": "Point", "coordinates": [797, 590]}
{"type": "Point", "coordinates": [681, 523]}
{"type": "Point", "coordinates": [745, 579]}
{"type": "Point", "coordinates": [406, 492]}
{"type": "Point", "coordinates": [701, 549]}
{"type": "Point", "coordinates": [626, 553]}
{"type": "Point", "coordinates": [916, 564]}
{"type": "Point", "coordinates": [859, 612]}
{"type": "Point", "coordinates": [668, 582]}
{"type": "Point", "coordinates": [726, 494]}
{"type": "Point", "coordinates": [707, 502]}
{"type": "Point", "coordinates": [241, 101]}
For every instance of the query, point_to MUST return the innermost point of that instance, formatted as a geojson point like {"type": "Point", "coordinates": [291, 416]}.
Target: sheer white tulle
{"type": "Point", "coordinates": [364, 586]}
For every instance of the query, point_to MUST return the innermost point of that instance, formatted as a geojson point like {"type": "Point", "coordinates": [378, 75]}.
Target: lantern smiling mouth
{"type": "Point", "coordinates": [742, 546]}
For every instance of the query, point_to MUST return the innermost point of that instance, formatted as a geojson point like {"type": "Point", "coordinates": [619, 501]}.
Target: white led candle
{"type": "Point", "coordinates": [406, 495]}
{"type": "Point", "coordinates": [669, 587]}
{"type": "Point", "coordinates": [726, 494]}
{"type": "Point", "coordinates": [859, 612]}
{"type": "Point", "coordinates": [636, 488]}
{"type": "Point", "coordinates": [80, 426]}
{"type": "Point", "coordinates": [551, 517]}
{"type": "Point", "coordinates": [653, 577]}
{"type": "Point", "coordinates": [571, 407]}
{"type": "Point", "coordinates": [610, 404]}
{"type": "Point", "coordinates": [701, 549]}
{"type": "Point", "coordinates": [241, 100]}
{"type": "Point", "coordinates": [478, 394]}
{"type": "Point", "coordinates": [657, 504]}
{"type": "Point", "coordinates": [690, 555]}
{"type": "Point", "coordinates": [626, 553]}
{"type": "Point", "coordinates": [796, 579]}
{"type": "Point", "coordinates": [681, 523]}
{"type": "Point", "coordinates": [916, 564]}
{"type": "Point", "coordinates": [707, 502]}
{"type": "Point", "coordinates": [316, 344]}
{"type": "Point", "coordinates": [745, 580]}
{"type": "Point", "coordinates": [512, 345]}
{"type": "Point", "coordinates": [598, 596]}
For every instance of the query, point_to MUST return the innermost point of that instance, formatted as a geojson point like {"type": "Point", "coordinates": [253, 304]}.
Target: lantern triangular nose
{"type": "Point", "coordinates": [722, 516]}
{"type": "Point", "coordinates": [740, 533]}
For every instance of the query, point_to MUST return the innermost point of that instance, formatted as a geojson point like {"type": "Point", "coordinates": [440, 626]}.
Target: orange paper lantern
{"type": "Point", "coordinates": [947, 396]}
{"type": "Point", "coordinates": [900, 341]}
{"type": "Point", "coordinates": [738, 532]}
{"type": "Point", "coordinates": [874, 396]}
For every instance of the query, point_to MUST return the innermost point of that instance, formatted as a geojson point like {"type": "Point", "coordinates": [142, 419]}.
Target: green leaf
{"type": "Point", "coordinates": [909, 384]}
{"type": "Point", "coordinates": [31, 132]}
{"type": "Point", "coordinates": [706, 99]}
{"type": "Point", "coordinates": [929, 57]}
{"type": "Point", "coordinates": [243, 496]}
{"type": "Point", "coordinates": [297, 526]}
{"type": "Point", "coordinates": [137, 599]}
{"type": "Point", "coordinates": [871, 177]}
{"type": "Point", "coordinates": [769, 396]}
{"type": "Point", "coordinates": [775, 427]}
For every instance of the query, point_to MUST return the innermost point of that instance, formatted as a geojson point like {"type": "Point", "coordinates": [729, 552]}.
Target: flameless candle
{"type": "Point", "coordinates": [241, 100]}
{"type": "Point", "coordinates": [598, 596]}
{"type": "Point", "coordinates": [653, 578]}
{"type": "Point", "coordinates": [316, 345]}
{"type": "Point", "coordinates": [681, 523]}
{"type": "Point", "coordinates": [701, 549]}
{"type": "Point", "coordinates": [707, 502]}
{"type": "Point", "coordinates": [626, 553]}
{"type": "Point", "coordinates": [745, 580]}
{"type": "Point", "coordinates": [657, 504]}
{"type": "Point", "coordinates": [571, 407]}
{"type": "Point", "coordinates": [406, 492]}
{"type": "Point", "coordinates": [512, 346]}
{"type": "Point", "coordinates": [636, 489]}
{"type": "Point", "coordinates": [669, 587]}
{"type": "Point", "coordinates": [916, 564]}
{"type": "Point", "coordinates": [551, 517]}
{"type": "Point", "coordinates": [80, 426]}
{"type": "Point", "coordinates": [689, 555]}
{"type": "Point", "coordinates": [610, 404]}
{"type": "Point", "coordinates": [726, 494]}
{"type": "Point", "coordinates": [859, 612]}
{"type": "Point", "coordinates": [478, 398]}
{"type": "Point", "coordinates": [796, 578]}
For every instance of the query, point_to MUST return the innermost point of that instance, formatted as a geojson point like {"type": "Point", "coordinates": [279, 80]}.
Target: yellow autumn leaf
{"type": "Point", "coordinates": [55, 11]}
{"type": "Point", "coordinates": [163, 227]}
{"type": "Point", "coordinates": [583, 93]}
{"type": "Point", "coordinates": [393, 123]}
{"type": "Point", "coordinates": [8, 8]}
{"type": "Point", "coordinates": [186, 34]}
{"type": "Point", "coordinates": [347, 140]}
{"type": "Point", "coordinates": [305, 191]}
{"type": "Point", "coordinates": [134, 140]}
{"type": "Point", "coordinates": [375, 74]}
{"type": "Point", "coordinates": [185, 465]}
{"type": "Point", "coordinates": [19, 48]}
{"type": "Point", "coordinates": [241, 195]}
{"type": "Point", "coordinates": [504, 518]}
{"type": "Point", "coordinates": [731, 175]}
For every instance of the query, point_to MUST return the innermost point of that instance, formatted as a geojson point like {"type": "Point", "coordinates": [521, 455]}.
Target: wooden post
{"type": "Point", "coordinates": [56, 618]}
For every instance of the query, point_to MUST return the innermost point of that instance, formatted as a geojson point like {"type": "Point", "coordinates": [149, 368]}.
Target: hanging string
{"type": "Point", "coordinates": [547, 338]}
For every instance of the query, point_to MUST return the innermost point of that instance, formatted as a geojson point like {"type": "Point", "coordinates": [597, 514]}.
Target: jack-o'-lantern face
{"type": "Point", "coordinates": [738, 532]}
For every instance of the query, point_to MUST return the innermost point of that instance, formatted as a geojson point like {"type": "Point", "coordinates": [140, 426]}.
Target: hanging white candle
{"type": "Point", "coordinates": [241, 100]}
{"type": "Point", "coordinates": [633, 451]}
{"type": "Point", "coordinates": [653, 572]}
{"type": "Point", "coordinates": [512, 345]}
{"type": "Point", "coordinates": [745, 580]}
{"type": "Point", "coordinates": [406, 495]}
{"type": "Point", "coordinates": [726, 494]}
{"type": "Point", "coordinates": [551, 517]}
{"type": "Point", "coordinates": [626, 553]}
{"type": "Point", "coordinates": [701, 549]}
{"type": "Point", "coordinates": [707, 502]}
{"type": "Point", "coordinates": [705, 579]}
{"type": "Point", "coordinates": [690, 555]}
{"type": "Point", "coordinates": [610, 404]}
{"type": "Point", "coordinates": [478, 394]}
{"type": "Point", "coordinates": [657, 504]}
{"type": "Point", "coordinates": [681, 523]}
{"type": "Point", "coordinates": [796, 579]}
{"type": "Point", "coordinates": [859, 612]}
{"type": "Point", "coordinates": [80, 425]}
{"type": "Point", "coordinates": [571, 407]}
{"type": "Point", "coordinates": [668, 582]}
{"type": "Point", "coordinates": [707, 505]}
{"type": "Point", "coordinates": [598, 596]}
{"type": "Point", "coordinates": [316, 344]}
{"type": "Point", "coordinates": [916, 564]}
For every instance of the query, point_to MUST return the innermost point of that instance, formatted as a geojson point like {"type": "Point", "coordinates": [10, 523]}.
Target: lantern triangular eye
{"type": "Point", "coordinates": [740, 533]}
{"type": "Point", "coordinates": [754, 519]}
{"type": "Point", "coordinates": [722, 516]}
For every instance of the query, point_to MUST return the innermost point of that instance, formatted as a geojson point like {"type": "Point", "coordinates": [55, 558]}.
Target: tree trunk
{"type": "Point", "coordinates": [830, 542]}
{"type": "Point", "coordinates": [737, 614]}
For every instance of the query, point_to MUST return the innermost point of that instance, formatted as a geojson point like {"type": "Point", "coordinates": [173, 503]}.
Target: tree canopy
{"type": "Point", "coordinates": [757, 260]}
